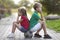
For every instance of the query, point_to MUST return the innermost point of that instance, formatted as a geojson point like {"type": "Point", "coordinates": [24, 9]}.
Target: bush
{"type": "Point", "coordinates": [6, 15]}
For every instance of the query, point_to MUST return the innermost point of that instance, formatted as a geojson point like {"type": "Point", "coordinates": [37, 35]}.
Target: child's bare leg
{"type": "Point", "coordinates": [44, 28]}
{"type": "Point", "coordinates": [15, 25]}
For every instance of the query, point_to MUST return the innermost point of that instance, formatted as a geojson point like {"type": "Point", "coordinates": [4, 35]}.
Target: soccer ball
{"type": "Point", "coordinates": [28, 34]}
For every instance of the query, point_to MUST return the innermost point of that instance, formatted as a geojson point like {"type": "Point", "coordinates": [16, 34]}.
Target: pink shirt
{"type": "Point", "coordinates": [25, 22]}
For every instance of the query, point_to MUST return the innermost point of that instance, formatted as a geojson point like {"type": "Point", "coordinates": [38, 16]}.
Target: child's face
{"type": "Point", "coordinates": [19, 13]}
{"type": "Point", "coordinates": [39, 8]}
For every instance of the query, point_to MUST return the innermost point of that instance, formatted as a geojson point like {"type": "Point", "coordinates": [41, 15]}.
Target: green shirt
{"type": "Point", "coordinates": [34, 20]}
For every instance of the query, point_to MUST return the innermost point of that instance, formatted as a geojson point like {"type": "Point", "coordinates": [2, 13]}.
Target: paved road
{"type": "Point", "coordinates": [6, 25]}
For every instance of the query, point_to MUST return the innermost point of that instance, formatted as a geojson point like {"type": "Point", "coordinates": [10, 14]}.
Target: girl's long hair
{"type": "Point", "coordinates": [23, 11]}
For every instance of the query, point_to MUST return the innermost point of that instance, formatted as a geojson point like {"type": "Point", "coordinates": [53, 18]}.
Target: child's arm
{"type": "Point", "coordinates": [42, 17]}
{"type": "Point", "coordinates": [19, 20]}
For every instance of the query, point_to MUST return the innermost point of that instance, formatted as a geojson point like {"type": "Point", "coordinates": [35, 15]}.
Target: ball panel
{"type": "Point", "coordinates": [28, 35]}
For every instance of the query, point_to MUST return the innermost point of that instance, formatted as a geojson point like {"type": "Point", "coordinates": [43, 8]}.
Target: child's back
{"type": "Point", "coordinates": [25, 22]}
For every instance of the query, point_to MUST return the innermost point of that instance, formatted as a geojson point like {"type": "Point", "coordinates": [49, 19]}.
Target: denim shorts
{"type": "Point", "coordinates": [22, 29]}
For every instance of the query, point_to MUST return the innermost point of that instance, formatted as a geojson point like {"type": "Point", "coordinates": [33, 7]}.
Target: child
{"type": "Point", "coordinates": [22, 24]}
{"type": "Point", "coordinates": [35, 25]}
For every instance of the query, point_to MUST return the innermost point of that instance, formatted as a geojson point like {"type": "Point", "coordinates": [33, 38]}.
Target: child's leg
{"type": "Point", "coordinates": [20, 28]}
{"type": "Point", "coordinates": [36, 27]}
{"type": "Point", "coordinates": [39, 30]}
{"type": "Point", "coordinates": [15, 25]}
{"type": "Point", "coordinates": [43, 26]}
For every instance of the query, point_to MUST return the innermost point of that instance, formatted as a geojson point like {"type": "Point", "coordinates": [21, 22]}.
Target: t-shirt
{"type": "Point", "coordinates": [25, 22]}
{"type": "Point", "coordinates": [34, 20]}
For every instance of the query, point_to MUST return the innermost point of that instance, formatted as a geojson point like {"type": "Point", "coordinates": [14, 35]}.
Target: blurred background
{"type": "Point", "coordinates": [51, 10]}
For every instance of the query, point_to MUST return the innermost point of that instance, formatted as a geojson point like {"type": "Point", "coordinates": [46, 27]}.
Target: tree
{"type": "Point", "coordinates": [25, 3]}
{"type": "Point", "coordinates": [5, 7]}
{"type": "Point", "coordinates": [52, 6]}
{"type": "Point", "coordinates": [7, 3]}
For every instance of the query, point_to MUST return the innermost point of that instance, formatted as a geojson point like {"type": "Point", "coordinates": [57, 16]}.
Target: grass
{"type": "Point", "coordinates": [54, 24]}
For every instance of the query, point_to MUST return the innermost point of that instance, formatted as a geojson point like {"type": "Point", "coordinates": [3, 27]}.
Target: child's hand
{"type": "Point", "coordinates": [17, 22]}
{"type": "Point", "coordinates": [41, 19]}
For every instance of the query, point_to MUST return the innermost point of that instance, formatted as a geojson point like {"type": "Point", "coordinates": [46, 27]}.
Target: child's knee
{"type": "Point", "coordinates": [14, 23]}
{"type": "Point", "coordinates": [42, 22]}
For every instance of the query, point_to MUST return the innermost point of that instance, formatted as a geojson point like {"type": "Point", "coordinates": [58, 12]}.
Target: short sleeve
{"type": "Point", "coordinates": [36, 16]}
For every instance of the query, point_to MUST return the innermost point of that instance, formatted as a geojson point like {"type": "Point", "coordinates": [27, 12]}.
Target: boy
{"type": "Point", "coordinates": [34, 22]}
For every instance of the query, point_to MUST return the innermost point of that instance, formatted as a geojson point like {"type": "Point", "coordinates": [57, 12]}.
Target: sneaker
{"type": "Point", "coordinates": [11, 35]}
{"type": "Point", "coordinates": [37, 35]}
{"type": "Point", "coordinates": [47, 37]}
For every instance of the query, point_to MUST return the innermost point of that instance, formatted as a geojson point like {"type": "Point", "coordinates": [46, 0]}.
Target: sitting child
{"type": "Point", "coordinates": [22, 24]}
{"type": "Point", "coordinates": [35, 25]}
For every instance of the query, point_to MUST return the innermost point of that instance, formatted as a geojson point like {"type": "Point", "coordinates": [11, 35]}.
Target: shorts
{"type": "Point", "coordinates": [22, 29]}
{"type": "Point", "coordinates": [36, 27]}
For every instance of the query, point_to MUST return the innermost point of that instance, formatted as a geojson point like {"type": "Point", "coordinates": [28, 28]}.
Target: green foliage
{"type": "Point", "coordinates": [6, 14]}
{"type": "Point", "coordinates": [54, 24]}
{"type": "Point", "coordinates": [25, 3]}
{"type": "Point", "coordinates": [7, 3]}
{"type": "Point", "coordinates": [52, 6]}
